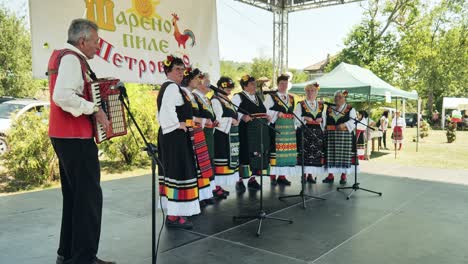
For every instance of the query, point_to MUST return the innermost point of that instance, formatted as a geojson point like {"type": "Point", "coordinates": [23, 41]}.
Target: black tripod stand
{"type": "Point", "coordinates": [151, 150]}
{"type": "Point", "coordinates": [301, 193]}
{"type": "Point", "coordinates": [356, 186]}
{"type": "Point", "coordinates": [262, 215]}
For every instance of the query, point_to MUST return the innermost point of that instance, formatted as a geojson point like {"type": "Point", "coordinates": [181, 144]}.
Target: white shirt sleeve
{"type": "Point", "coordinates": [361, 126]}
{"type": "Point", "coordinates": [236, 100]}
{"type": "Point", "coordinates": [167, 115]}
{"type": "Point", "coordinates": [268, 104]}
{"type": "Point", "coordinates": [298, 112]}
{"type": "Point", "coordinates": [224, 122]}
{"type": "Point", "coordinates": [350, 123]}
{"type": "Point", "coordinates": [69, 88]}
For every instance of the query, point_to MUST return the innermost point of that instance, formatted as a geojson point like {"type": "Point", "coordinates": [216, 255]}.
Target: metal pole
{"type": "Point", "coordinates": [396, 122]}
{"type": "Point", "coordinates": [417, 129]}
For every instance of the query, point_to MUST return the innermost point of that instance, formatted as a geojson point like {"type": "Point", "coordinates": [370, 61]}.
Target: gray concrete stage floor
{"type": "Point", "coordinates": [414, 221]}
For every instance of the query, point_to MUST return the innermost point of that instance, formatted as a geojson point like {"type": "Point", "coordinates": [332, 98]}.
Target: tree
{"type": "Point", "coordinates": [15, 57]}
{"type": "Point", "coordinates": [373, 43]}
{"type": "Point", "coordinates": [262, 67]}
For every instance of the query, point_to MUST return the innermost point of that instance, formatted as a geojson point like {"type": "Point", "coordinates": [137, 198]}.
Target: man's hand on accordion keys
{"type": "Point", "coordinates": [101, 118]}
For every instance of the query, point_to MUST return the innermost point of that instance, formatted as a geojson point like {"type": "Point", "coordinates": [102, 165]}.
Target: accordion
{"type": "Point", "coordinates": [104, 93]}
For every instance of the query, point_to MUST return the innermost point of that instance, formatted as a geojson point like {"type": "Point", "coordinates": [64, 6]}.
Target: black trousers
{"type": "Point", "coordinates": [82, 199]}
{"type": "Point", "coordinates": [384, 138]}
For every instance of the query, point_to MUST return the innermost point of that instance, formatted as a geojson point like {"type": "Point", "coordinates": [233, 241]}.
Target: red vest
{"type": "Point", "coordinates": [63, 124]}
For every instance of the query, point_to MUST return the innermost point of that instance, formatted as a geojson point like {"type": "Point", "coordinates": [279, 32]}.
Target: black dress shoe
{"type": "Point", "coordinates": [60, 260]}
{"type": "Point", "coordinates": [177, 224]}
{"type": "Point", "coordinates": [328, 180]}
{"type": "Point", "coordinates": [240, 186]}
{"type": "Point", "coordinates": [100, 261]}
{"type": "Point", "coordinates": [253, 185]}
{"type": "Point", "coordinates": [311, 180]}
{"type": "Point", "coordinates": [219, 194]}
{"type": "Point", "coordinates": [283, 181]}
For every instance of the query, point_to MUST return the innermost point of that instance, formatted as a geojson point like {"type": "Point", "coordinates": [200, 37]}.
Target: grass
{"type": "Point", "coordinates": [433, 151]}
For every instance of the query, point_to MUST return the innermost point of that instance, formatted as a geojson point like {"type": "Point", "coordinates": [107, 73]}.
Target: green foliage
{"type": "Point", "coordinates": [15, 57]}
{"type": "Point", "coordinates": [128, 148]}
{"type": "Point", "coordinates": [31, 159]}
{"type": "Point", "coordinates": [413, 45]}
{"type": "Point", "coordinates": [299, 76]}
{"type": "Point", "coordinates": [451, 132]}
{"type": "Point", "coordinates": [262, 67]}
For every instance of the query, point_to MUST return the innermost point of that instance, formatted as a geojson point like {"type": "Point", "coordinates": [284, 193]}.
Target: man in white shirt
{"type": "Point", "coordinates": [71, 133]}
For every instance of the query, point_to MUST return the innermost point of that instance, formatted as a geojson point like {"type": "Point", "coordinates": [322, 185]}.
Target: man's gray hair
{"type": "Point", "coordinates": [80, 28]}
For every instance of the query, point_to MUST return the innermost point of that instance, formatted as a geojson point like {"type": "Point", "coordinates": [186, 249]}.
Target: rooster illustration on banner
{"type": "Point", "coordinates": [182, 38]}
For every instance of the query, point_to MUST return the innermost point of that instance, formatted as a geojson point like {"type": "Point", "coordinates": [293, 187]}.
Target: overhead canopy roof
{"type": "Point", "coordinates": [359, 82]}
{"type": "Point", "coordinates": [454, 103]}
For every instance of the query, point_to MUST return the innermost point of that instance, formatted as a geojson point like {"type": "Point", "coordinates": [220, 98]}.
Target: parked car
{"type": "Point", "coordinates": [14, 108]}
{"type": "Point", "coordinates": [5, 98]}
{"type": "Point", "coordinates": [411, 119]}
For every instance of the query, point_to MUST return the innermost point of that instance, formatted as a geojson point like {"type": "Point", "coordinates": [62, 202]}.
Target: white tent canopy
{"type": "Point", "coordinates": [452, 103]}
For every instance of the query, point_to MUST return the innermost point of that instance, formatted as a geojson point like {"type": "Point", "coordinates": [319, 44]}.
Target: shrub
{"type": "Point", "coordinates": [31, 159]}
{"type": "Point", "coordinates": [451, 132]}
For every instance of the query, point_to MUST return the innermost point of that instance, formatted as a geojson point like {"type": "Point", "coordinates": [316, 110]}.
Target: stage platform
{"type": "Point", "coordinates": [413, 222]}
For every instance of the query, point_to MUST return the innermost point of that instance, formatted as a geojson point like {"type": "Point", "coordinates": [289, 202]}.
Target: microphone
{"type": "Point", "coordinates": [327, 103]}
{"type": "Point", "coordinates": [216, 89]}
{"type": "Point", "coordinates": [270, 92]}
{"type": "Point", "coordinates": [123, 90]}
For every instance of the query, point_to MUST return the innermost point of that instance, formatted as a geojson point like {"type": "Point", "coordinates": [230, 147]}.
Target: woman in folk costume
{"type": "Point", "coordinates": [361, 134]}
{"type": "Point", "coordinates": [178, 184]}
{"type": "Point", "coordinates": [283, 154]}
{"type": "Point", "coordinates": [251, 131]}
{"type": "Point", "coordinates": [226, 137]}
{"type": "Point", "coordinates": [311, 112]}
{"type": "Point", "coordinates": [190, 82]}
{"type": "Point", "coordinates": [206, 111]}
{"type": "Point", "coordinates": [339, 150]}
{"type": "Point", "coordinates": [398, 124]}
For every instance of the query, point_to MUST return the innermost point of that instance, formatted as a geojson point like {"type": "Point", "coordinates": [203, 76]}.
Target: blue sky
{"type": "Point", "coordinates": [246, 32]}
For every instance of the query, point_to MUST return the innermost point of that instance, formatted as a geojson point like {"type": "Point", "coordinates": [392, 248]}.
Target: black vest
{"type": "Point", "coordinates": [343, 118]}
{"type": "Point", "coordinates": [228, 110]}
{"type": "Point", "coordinates": [278, 105]}
{"type": "Point", "coordinates": [184, 112]}
{"type": "Point", "coordinates": [203, 110]}
{"type": "Point", "coordinates": [250, 106]}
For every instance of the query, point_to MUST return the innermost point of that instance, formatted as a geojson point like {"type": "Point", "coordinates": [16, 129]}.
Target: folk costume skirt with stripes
{"type": "Point", "coordinates": [226, 156]}
{"type": "Point", "coordinates": [313, 150]}
{"type": "Point", "coordinates": [361, 144]}
{"type": "Point", "coordinates": [339, 152]}
{"type": "Point", "coordinates": [397, 135]}
{"type": "Point", "coordinates": [203, 162]}
{"type": "Point", "coordinates": [283, 155]}
{"type": "Point", "coordinates": [178, 186]}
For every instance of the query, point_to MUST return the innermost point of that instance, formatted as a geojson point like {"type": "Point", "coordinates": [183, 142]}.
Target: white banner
{"type": "Point", "coordinates": [136, 35]}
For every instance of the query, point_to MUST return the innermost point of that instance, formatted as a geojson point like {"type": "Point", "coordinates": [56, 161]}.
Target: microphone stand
{"type": "Point", "coordinates": [151, 150]}
{"type": "Point", "coordinates": [304, 127]}
{"type": "Point", "coordinates": [261, 215]}
{"type": "Point", "coordinates": [355, 186]}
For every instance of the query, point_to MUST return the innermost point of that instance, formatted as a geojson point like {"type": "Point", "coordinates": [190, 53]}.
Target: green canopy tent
{"type": "Point", "coordinates": [362, 85]}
